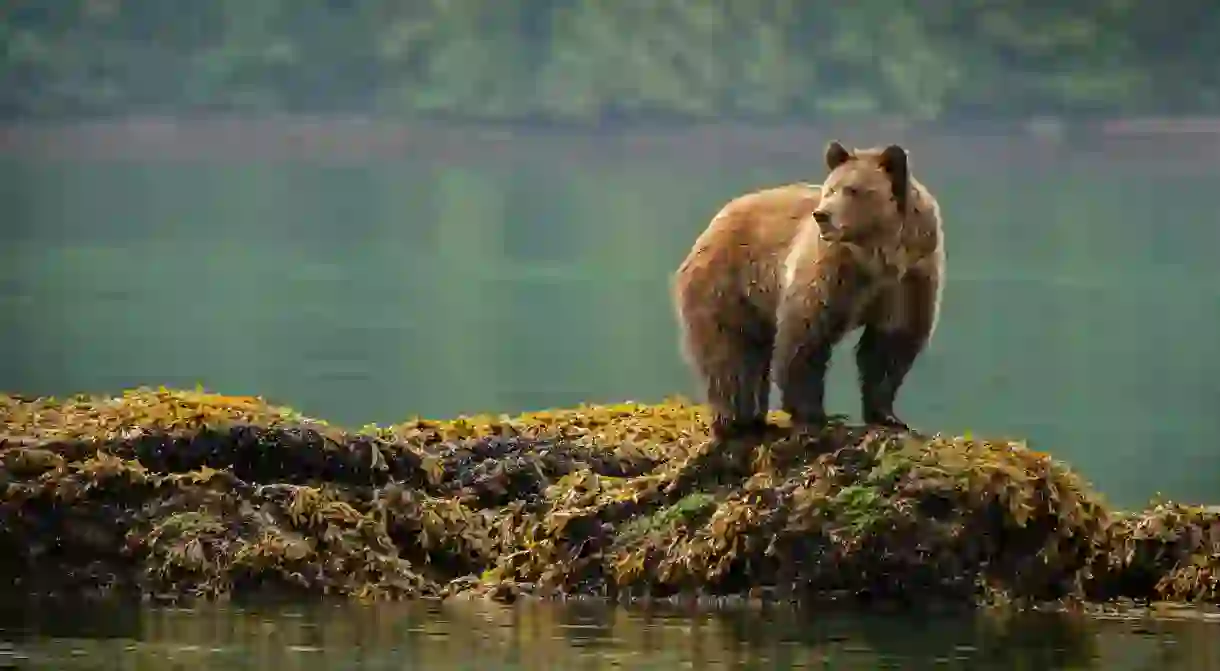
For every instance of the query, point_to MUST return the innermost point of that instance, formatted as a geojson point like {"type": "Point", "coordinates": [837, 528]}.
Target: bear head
{"type": "Point", "coordinates": [865, 194]}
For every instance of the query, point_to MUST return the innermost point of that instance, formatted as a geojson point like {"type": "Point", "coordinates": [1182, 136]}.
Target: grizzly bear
{"type": "Point", "coordinates": [781, 275]}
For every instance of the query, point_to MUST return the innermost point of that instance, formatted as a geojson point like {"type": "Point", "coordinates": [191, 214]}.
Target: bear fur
{"type": "Point", "coordinates": [781, 275]}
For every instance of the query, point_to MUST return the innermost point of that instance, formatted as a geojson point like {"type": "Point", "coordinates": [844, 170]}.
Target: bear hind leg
{"type": "Point", "coordinates": [756, 382]}
{"type": "Point", "coordinates": [734, 369]}
{"type": "Point", "coordinates": [738, 389]}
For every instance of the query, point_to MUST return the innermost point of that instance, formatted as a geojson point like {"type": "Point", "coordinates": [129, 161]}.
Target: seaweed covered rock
{"type": "Point", "coordinates": [1169, 552]}
{"type": "Point", "coordinates": [880, 515]}
{"type": "Point", "coordinates": [174, 494]}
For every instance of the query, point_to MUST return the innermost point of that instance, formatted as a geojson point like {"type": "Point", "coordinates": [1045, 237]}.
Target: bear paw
{"type": "Point", "coordinates": [724, 429]}
{"type": "Point", "coordinates": [885, 420]}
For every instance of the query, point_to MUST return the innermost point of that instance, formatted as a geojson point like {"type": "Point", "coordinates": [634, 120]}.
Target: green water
{"type": "Point", "coordinates": [1082, 310]}
{"type": "Point", "coordinates": [490, 637]}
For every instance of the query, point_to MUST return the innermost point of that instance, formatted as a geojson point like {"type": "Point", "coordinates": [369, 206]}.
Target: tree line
{"type": "Point", "coordinates": [584, 61]}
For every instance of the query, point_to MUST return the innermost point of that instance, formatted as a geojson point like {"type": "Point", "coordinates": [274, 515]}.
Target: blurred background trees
{"type": "Point", "coordinates": [587, 61]}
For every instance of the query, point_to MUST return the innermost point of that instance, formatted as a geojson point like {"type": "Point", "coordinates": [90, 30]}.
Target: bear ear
{"type": "Point", "coordinates": [894, 163]}
{"type": "Point", "coordinates": [836, 155]}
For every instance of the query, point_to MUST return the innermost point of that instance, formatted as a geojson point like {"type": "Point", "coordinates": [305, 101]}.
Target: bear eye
{"type": "Point", "coordinates": [851, 191]}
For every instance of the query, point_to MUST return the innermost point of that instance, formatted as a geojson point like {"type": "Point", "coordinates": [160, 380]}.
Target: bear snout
{"type": "Point", "coordinates": [826, 226]}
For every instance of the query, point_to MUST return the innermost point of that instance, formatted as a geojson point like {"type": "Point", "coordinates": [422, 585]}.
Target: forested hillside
{"type": "Point", "coordinates": [596, 60]}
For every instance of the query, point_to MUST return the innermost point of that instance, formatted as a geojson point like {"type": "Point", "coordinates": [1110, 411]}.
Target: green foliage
{"type": "Point", "coordinates": [592, 60]}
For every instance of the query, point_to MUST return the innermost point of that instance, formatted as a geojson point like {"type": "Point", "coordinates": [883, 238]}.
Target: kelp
{"type": "Point", "coordinates": [174, 494]}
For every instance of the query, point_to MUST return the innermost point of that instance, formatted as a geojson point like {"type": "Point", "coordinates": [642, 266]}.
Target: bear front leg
{"type": "Point", "coordinates": [897, 332]}
{"type": "Point", "coordinates": [813, 317]}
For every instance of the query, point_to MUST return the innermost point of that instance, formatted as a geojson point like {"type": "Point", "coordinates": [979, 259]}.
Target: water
{"type": "Point", "coordinates": [1082, 310]}
{"type": "Point", "coordinates": [490, 637]}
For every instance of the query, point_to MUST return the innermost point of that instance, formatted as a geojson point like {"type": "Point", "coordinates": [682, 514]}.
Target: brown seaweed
{"type": "Point", "coordinates": [181, 494]}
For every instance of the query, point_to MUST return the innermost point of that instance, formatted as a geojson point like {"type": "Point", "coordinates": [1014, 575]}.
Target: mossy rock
{"type": "Point", "coordinates": [172, 494]}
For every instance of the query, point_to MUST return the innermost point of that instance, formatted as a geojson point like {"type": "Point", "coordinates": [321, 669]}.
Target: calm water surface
{"type": "Point", "coordinates": [1082, 309]}
{"type": "Point", "coordinates": [480, 635]}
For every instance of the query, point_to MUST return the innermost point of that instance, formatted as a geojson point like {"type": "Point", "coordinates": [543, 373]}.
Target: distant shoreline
{"type": "Point", "coordinates": [363, 139]}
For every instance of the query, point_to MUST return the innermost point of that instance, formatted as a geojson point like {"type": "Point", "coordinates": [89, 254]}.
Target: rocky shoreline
{"type": "Point", "coordinates": [171, 495]}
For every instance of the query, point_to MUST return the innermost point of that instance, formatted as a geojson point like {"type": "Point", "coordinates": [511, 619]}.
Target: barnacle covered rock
{"type": "Point", "coordinates": [170, 494]}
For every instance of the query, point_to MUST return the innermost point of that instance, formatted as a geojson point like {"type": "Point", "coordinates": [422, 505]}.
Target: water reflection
{"type": "Point", "coordinates": [476, 634]}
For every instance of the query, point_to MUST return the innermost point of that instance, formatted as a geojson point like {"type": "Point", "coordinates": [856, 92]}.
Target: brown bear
{"type": "Point", "coordinates": [781, 275]}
